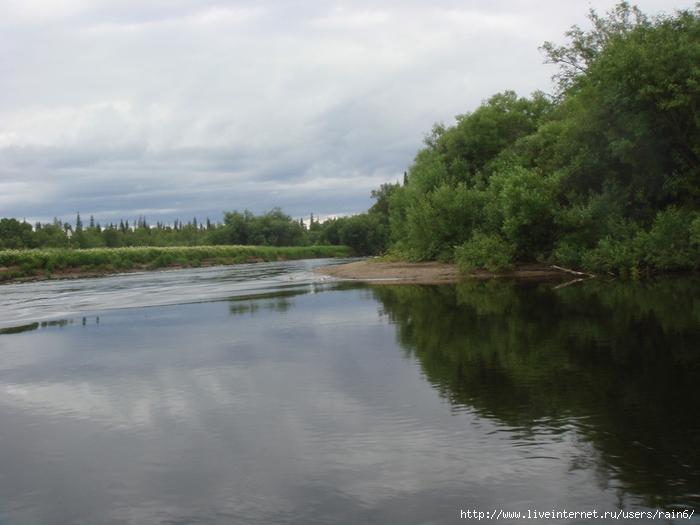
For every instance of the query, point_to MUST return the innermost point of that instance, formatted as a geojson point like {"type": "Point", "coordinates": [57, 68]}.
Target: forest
{"type": "Point", "coordinates": [601, 175]}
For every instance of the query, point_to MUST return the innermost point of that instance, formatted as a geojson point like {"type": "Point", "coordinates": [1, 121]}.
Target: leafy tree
{"type": "Point", "coordinates": [445, 199]}
{"type": "Point", "coordinates": [366, 233]}
{"type": "Point", "coordinates": [382, 195]}
{"type": "Point", "coordinates": [652, 74]}
{"type": "Point", "coordinates": [15, 234]}
{"type": "Point", "coordinates": [112, 237]}
{"type": "Point", "coordinates": [575, 58]}
{"type": "Point", "coordinates": [236, 229]}
{"type": "Point", "coordinates": [273, 228]}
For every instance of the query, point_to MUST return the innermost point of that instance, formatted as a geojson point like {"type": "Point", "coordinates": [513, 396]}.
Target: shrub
{"type": "Point", "coordinates": [488, 251]}
{"type": "Point", "coordinates": [669, 244]}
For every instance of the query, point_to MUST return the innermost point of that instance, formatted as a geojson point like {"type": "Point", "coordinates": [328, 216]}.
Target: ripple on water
{"type": "Point", "coordinates": [22, 303]}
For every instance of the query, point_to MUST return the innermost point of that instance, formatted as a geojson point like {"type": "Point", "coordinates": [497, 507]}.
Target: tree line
{"type": "Point", "coordinates": [366, 233]}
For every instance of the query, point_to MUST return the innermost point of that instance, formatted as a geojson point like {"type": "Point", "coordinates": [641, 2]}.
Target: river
{"type": "Point", "coordinates": [262, 393]}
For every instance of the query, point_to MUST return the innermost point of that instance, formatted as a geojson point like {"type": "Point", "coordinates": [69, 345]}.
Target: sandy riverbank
{"type": "Point", "coordinates": [376, 270]}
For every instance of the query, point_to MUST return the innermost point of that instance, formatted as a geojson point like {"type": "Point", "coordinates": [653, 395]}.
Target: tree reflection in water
{"type": "Point", "coordinates": [618, 362]}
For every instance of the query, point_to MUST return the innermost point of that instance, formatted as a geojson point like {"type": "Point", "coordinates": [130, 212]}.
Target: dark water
{"type": "Point", "coordinates": [263, 394]}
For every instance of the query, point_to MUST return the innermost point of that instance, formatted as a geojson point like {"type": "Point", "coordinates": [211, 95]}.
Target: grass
{"type": "Point", "coordinates": [28, 263]}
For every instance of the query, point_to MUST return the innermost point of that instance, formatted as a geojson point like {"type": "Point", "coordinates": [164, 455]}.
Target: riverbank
{"type": "Point", "coordinates": [8, 275]}
{"type": "Point", "coordinates": [35, 265]}
{"type": "Point", "coordinates": [382, 271]}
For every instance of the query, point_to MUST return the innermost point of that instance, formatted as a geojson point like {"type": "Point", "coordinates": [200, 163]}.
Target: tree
{"type": "Point", "coordinates": [236, 229]}
{"type": "Point", "coordinates": [365, 233]}
{"type": "Point", "coordinates": [650, 77]}
{"type": "Point", "coordinates": [15, 234]}
{"type": "Point", "coordinates": [446, 197]}
{"type": "Point", "coordinates": [382, 196]}
{"type": "Point", "coordinates": [112, 237]}
{"type": "Point", "coordinates": [575, 58]}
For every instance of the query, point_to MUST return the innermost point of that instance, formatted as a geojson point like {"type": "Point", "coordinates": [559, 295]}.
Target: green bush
{"type": "Point", "coordinates": [669, 244]}
{"type": "Point", "coordinates": [567, 254]}
{"type": "Point", "coordinates": [528, 201]}
{"type": "Point", "coordinates": [488, 251]}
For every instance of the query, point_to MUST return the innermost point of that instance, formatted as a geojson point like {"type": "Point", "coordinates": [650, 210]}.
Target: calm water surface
{"type": "Point", "coordinates": [263, 394]}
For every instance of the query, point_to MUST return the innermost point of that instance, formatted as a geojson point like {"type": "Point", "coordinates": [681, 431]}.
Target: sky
{"type": "Point", "coordinates": [174, 109]}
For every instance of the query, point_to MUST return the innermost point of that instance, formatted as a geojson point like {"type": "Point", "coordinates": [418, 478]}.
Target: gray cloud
{"type": "Point", "coordinates": [187, 108]}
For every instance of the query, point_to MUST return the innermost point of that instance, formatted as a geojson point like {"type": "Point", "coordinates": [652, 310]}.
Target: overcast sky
{"type": "Point", "coordinates": [183, 108]}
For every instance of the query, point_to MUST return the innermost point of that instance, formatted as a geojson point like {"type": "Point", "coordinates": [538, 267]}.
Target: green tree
{"type": "Point", "coordinates": [15, 234]}
{"type": "Point", "coordinates": [652, 72]}
{"type": "Point", "coordinates": [382, 195]}
{"type": "Point", "coordinates": [584, 48]}
{"type": "Point", "coordinates": [112, 237]}
{"type": "Point", "coordinates": [446, 198]}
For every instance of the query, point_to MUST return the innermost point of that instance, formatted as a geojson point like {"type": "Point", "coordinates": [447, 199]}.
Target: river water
{"type": "Point", "coordinates": [261, 394]}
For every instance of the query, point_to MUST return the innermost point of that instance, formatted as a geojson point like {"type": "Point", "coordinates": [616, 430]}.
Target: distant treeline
{"type": "Point", "coordinates": [366, 233]}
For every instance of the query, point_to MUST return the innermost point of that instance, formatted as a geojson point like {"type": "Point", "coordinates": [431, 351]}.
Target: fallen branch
{"type": "Point", "coordinates": [574, 272]}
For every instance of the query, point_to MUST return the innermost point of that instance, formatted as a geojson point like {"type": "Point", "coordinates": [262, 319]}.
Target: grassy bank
{"type": "Point", "coordinates": [17, 264]}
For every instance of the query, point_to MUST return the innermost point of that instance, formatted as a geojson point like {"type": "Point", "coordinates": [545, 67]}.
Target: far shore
{"type": "Point", "coordinates": [400, 272]}
{"type": "Point", "coordinates": [45, 264]}
{"type": "Point", "coordinates": [78, 272]}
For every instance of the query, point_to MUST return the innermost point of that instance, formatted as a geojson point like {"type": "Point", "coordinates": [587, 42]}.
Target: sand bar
{"type": "Point", "coordinates": [381, 271]}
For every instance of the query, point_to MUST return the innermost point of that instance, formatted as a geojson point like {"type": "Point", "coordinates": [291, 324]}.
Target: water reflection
{"type": "Point", "coordinates": [274, 302]}
{"type": "Point", "coordinates": [618, 362]}
{"type": "Point", "coordinates": [45, 324]}
{"type": "Point", "coordinates": [303, 402]}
